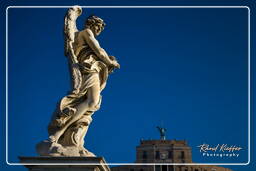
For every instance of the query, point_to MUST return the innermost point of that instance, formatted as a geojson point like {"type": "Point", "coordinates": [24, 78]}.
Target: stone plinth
{"type": "Point", "coordinates": [65, 163]}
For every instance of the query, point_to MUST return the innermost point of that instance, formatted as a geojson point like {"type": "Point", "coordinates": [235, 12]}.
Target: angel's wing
{"type": "Point", "coordinates": [69, 35]}
{"type": "Point", "coordinates": [70, 28]}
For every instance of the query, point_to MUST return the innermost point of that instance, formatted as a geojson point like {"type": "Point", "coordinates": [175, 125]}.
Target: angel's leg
{"type": "Point", "coordinates": [93, 96]}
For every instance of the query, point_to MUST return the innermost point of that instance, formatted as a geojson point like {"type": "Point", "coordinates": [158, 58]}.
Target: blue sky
{"type": "Point", "coordinates": [185, 69]}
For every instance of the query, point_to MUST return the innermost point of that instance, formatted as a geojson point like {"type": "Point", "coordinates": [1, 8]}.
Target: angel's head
{"type": "Point", "coordinates": [95, 23]}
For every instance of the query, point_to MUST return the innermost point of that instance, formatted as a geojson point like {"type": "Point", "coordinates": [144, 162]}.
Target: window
{"type": "Point", "coordinates": [164, 167]}
{"type": "Point", "coordinates": [157, 155]}
{"type": "Point", "coordinates": [157, 168]}
{"type": "Point", "coordinates": [182, 155]}
{"type": "Point", "coordinates": [170, 155]}
{"type": "Point", "coordinates": [144, 155]}
{"type": "Point", "coordinates": [171, 168]}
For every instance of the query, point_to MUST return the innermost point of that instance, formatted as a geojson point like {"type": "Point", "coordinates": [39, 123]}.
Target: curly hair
{"type": "Point", "coordinates": [92, 20]}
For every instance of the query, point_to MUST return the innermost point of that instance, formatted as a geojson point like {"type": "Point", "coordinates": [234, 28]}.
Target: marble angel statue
{"type": "Point", "coordinates": [90, 66]}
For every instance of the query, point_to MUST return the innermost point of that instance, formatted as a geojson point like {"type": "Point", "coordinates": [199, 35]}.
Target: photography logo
{"type": "Point", "coordinates": [219, 150]}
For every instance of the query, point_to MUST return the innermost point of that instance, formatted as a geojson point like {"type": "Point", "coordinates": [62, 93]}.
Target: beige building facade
{"type": "Point", "coordinates": [165, 151]}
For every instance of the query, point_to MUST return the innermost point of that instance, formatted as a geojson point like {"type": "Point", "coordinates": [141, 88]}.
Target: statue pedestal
{"type": "Point", "coordinates": [65, 163]}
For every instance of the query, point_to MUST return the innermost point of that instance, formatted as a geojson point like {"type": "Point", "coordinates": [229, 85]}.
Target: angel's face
{"type": "Point", "coordinates": [97, 28]}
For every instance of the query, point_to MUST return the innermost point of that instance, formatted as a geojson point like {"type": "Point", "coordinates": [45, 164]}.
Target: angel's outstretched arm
{"type": "Point", "coordinates": [94, 44]}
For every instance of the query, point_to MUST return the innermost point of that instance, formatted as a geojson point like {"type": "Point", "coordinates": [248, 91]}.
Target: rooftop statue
{"type": "Point", "coordinates": [162, 132]}
{"type": "Point", "coordinates": [90, 66]}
